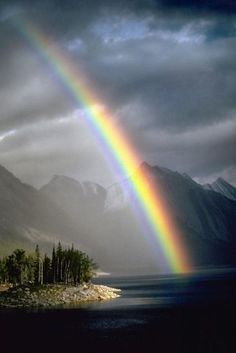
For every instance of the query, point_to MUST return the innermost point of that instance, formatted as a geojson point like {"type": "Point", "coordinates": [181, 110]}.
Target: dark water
{"type": "Point", "coordinates": [154, 314]}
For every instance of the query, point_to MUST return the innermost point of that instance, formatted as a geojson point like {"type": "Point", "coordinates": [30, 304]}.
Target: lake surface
{"type": "Point", "coordinates": [154, 314]}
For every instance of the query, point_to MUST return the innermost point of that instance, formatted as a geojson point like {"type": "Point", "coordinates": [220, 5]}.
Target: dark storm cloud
{"type": "Point", "coordinates": [210, 6]}
{"type": "Point", "coordinates": [182, 80]}
{"type": "Point", "coordinates": [210, 149]}
{"type": "Point", "coordinates": [165, 69]}
{"type": "Point", "coordinates": [28, 90]}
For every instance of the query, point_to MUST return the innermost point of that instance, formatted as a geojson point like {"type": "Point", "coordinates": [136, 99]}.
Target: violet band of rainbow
{"type": "Point", "coordinates": [150, 199]}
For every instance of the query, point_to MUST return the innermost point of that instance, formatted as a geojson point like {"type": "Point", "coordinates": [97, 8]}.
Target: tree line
{"type": "Point", "coordinates": [68, 266]}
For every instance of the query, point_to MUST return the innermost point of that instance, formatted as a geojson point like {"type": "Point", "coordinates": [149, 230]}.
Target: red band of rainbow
{"type": "Point", "coordinates": [150, 199]}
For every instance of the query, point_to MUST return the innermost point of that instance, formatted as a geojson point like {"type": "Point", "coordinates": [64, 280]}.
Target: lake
{"type": "Point", "coordinates": [154, 314]}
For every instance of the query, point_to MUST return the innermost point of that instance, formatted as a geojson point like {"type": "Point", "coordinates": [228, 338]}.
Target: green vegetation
{"type": "Point", "coordinates": [68, 266]}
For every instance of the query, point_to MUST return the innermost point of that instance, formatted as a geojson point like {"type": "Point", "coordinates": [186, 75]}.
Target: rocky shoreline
{"type": "Point", "coordinates": [27, 296]}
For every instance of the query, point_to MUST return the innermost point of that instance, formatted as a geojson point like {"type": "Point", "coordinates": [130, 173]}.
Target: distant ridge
{"type": "Point", "coordinates": [221, 186]}
{"type": "Point", "coordinates": [101, 222]}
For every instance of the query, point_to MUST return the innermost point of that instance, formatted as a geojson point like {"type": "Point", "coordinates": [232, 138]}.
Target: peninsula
{"type": "Point", "coordinates": [30, 280]}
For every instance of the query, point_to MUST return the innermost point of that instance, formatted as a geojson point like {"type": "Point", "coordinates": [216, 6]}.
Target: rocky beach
{"type": "Point", "coordinates": [27, 296]}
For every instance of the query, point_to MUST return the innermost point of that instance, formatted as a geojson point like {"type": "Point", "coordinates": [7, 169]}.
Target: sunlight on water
{"type": "Point", "coordinates": [141, 292]}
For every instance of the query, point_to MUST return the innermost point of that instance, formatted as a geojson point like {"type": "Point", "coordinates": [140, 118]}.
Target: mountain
{"type": "Point", "coordinates": [221, 186]}
{"type": "Point", "coordinates": [83, 205]}
{"type": "Point", "coordinates": [102, 222]}
{"type": "Point", "coordinates": [75, 198]}
{"type": "Point", "coordinates": [114, 239]}
{"type": "Point", "coordinates": [206, 218]}
{"type": "Point", "coordinates": [28, 217]}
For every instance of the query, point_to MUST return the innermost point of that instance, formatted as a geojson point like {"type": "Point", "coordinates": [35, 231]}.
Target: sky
{"type": "Point", "coordinates": [165, 70]}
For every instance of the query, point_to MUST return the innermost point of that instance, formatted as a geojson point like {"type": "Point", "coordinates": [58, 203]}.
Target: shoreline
{"type": "Point", "coordinates": [50, 295]}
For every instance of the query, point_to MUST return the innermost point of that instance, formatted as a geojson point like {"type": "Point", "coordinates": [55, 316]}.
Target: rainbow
{"type": "Point", "coordinates": [124, 156]}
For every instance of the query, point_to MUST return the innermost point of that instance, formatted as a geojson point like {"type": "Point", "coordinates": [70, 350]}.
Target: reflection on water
{"type": "Point", "coordinates": [111, 324]}
{"type": "Point", "coordinates": [165, 291]}
{"type": "Point", "coordinates": [153, 292]}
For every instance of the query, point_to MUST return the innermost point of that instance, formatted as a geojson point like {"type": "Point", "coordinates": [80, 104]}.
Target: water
{"type": "Point", "coordinates": [163, 314]}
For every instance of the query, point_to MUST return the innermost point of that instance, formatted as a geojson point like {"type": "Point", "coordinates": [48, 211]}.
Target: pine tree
{"type": "Point", "coordinates": [38, 277]}
{"type": "Point", "coordinates": [54, 265]}
{"type": "Point", "coordinates": [47, 271]}
{"type": "Point", "coordinates": [30, 268]}
{"type": "Point", "coordinates": [59, 262]}
{"type": "Point", "coordinates": [20, 265]}
{"type": "Point", "coordinates": [3, 271]}
{"type": "Point", "coordinates": [67, 266]}
{"type": "Point", "coordinates": [11, 269]}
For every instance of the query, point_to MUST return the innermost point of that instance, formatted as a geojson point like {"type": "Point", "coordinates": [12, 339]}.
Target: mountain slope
{"type": "Point", "coordinates": [103, 223]}
{"type": "Point", "coordinates": [28, 217]}
{"type": "Point", "coordinates": [222, 187]}
{"type": "Point", "coordinates": [76, 198]}
{"type": "Point", "coordinates": [206, 219]}
{"type": "Point", "coordinates": [114, 240]}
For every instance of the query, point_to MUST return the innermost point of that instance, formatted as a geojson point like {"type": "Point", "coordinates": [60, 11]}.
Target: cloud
{"type": "Point", "coordinates": [165, 71]}
{"type": "Point", "coordinates": [7, 134]}
{"type": "Point", "coordinates": [203, 6]}
{"type": "Point", "coordinates": [201, 152]}
{"type": "Point", "coordinates": [58, 146]}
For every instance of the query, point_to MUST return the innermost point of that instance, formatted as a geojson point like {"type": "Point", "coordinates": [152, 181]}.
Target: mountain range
{"type": "Point", "coordinates": [101, 221]}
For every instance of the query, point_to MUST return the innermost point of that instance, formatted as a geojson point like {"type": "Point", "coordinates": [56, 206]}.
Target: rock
{"type": "Point", "coordinates": [52, 295]}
